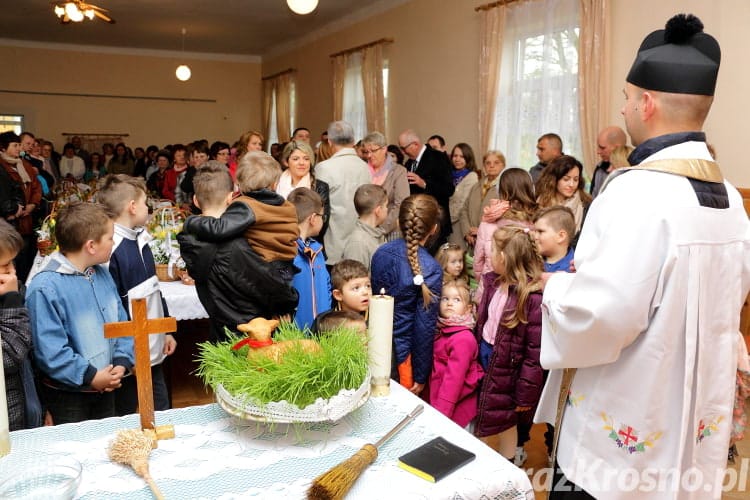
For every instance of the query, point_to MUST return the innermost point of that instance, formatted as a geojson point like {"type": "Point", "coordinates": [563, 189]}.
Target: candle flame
{"type": "Point", "coordinates": [382, 291]}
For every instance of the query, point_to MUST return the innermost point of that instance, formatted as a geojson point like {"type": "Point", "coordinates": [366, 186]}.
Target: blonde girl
{"type": "Point", "coordinates": [452, 259]}
{"type": "Point", "coordinates": [509, 328]}
{"type": "Point", "coordinates": [407, 272]}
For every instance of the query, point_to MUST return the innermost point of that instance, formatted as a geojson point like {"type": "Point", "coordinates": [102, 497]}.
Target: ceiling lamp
{"type": "Point", "coordinates": [302, 6]}
{"type": "Point", "coordinates": [77, 10]}
{"type": "Point", "coordinates": [183, 71]}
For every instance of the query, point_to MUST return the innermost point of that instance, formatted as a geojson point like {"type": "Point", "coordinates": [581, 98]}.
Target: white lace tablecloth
{"type": "Point", "coordinates": [182, 300]}
{"type": "Point", "coordinates": [216, 456]}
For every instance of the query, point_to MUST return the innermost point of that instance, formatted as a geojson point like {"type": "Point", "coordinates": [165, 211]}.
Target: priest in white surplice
{"type": "Point", "coordinates": [641, 339]}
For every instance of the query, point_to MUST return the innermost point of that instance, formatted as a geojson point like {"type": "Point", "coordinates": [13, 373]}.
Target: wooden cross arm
{"type": "Point", "coordinates": [126, 328]}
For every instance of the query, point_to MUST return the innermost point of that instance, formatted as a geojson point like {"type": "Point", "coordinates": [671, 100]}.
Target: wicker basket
{"type": "Point", "coordinates": [162, 272]}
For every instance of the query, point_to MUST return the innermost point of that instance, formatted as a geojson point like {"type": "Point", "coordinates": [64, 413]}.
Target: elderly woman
{"type": "Point", "coordinates": [298, 158]}
{"type": "Point", "coordinates": [561, 183]}
{"type": "Point", "coordinates": [465, 176]}
{"type": "Point", "coordinates": [21, 193]}
{"type": "Point", "coordinates": [484, 191]}
{"type": "Point", "coordinates": [390, 175]}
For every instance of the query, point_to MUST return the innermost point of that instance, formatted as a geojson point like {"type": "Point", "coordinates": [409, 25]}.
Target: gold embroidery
{"type": "Point", "coordinates": [702, 170]}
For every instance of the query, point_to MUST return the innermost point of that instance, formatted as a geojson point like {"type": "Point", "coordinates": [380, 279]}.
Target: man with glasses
{"type": "Point", "coordinates": [429, 172]}
{"type": "Point", "coordinates": [344, 172]}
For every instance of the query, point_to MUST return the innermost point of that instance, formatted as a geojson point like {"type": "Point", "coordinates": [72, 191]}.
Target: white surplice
{"type": "Point", "coordinates": [650, 321]}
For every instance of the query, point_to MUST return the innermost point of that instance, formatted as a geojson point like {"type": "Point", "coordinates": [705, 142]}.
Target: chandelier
{"type": "Point", "coordinates": [77, 10]}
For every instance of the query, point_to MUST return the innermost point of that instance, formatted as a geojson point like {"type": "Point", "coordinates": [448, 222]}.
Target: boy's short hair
{"type": "Point", "coordinates": [116, 190]}
{"type": "Point", "coordinates": [368, 197]}
{"type": "Point", "coordinates": [306, 201]}
{"type": "Point", "coordinates": [257, 170]}
{"type": "Point", "coordinates": [559, 218]}
{"type": "Point", "coordinates": [11, 241]}
{"type": "Point", "coordinates": [79, 222]}
{"type": "Point", "coordinates": [211, 184]}
{"type": "Point", "coordinates": [346, 270]}
{"type": "Point", "coordinates": [331, 320]}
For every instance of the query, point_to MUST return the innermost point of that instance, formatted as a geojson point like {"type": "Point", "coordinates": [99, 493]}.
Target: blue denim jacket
{"type": "Point", "coordinates": [68, 310]}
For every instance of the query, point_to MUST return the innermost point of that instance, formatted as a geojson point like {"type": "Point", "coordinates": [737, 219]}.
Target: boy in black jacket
{"type": "Point", "coordinates": [234, 283]}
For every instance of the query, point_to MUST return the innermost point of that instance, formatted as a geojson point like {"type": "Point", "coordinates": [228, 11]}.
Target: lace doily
{"type": "Point", "coordinates": [283, 412]}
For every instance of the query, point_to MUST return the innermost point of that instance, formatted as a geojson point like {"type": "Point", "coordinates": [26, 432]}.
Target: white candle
{"type": "Point", "coordinates": [379, 342]}
{"type": "Point", "coordinates": [4, 425]}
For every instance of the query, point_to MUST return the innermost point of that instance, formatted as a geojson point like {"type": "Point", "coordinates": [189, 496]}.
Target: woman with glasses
{"type": "Point", "coordinates": [219, 151]}
{"type": "Point", "coordinates": [388, 174]}
{"type": "Point", "coordinates": [484, 191]}
{"type": "Point", "coordinates": [298, 160]}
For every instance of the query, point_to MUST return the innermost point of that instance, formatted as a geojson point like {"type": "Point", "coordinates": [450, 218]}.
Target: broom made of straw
{"type": "Point", "coordinates": [336, 482]}
{"type": "Point", "coordinates": [132, 447]}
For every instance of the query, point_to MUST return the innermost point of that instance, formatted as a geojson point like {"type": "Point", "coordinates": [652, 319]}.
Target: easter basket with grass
{"type": "Point", "coordinates": [304, 380]}
{"type": "Point", "coordinates": [163, 226]}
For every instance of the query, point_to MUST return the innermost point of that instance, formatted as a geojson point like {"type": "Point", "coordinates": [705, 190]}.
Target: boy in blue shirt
{"type": "Point", "coordinates": [313, 283]}
{"type": "Point", "coordinates": [553, 229]}
{"type": "Point", "coordinates": [133, 269]}
{"type": "Point", "coordinates": [69, 301]}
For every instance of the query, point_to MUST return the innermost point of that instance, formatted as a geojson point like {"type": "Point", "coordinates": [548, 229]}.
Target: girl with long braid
{"type": "Point", "coordinates": [406, 270]}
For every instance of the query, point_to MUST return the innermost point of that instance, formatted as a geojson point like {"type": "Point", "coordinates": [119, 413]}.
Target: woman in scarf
{"type": "Point", "coordinates": [465, 176]}
{"type": "Point", "coordinates": [562, 183]}
{"type": "Point", "coordinates": [24, 193]}
{"type": "Point", "coordinates": [390, 176]}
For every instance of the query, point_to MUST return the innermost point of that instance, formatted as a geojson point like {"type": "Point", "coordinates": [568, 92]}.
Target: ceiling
{"type": "Point", "coordinates": [237, 27]}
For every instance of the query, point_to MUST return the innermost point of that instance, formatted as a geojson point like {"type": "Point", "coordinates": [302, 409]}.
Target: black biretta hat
{"type": "Point", "coordinates": [680, 59]}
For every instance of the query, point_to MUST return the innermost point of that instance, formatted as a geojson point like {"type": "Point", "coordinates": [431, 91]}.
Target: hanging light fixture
{"type": "Point", "coordinates": [183, 71]}
{"type": "Point", "coordinates": [77, 10]}
{"type": "Point", "coordinates": [302, 6]}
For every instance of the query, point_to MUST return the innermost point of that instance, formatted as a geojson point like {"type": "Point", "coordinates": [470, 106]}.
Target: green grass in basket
{"type": "Point", "coordinates": [300, 378]}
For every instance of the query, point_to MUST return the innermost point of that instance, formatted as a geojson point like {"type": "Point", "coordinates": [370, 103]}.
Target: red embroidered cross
{"type": "Point", "coordinates": [628, 434]}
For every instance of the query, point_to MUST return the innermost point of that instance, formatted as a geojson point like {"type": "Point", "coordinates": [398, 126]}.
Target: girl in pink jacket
{"type": "Point", "coordinates": [455, 370]}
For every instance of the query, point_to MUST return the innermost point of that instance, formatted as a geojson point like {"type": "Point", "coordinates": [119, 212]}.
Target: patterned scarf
{"type": "Point", "coordinates": [466, 320]}
{"type": "Point", "coordinates": [458, 175]}
{"type": "Point", "coordinates": [18, 165]}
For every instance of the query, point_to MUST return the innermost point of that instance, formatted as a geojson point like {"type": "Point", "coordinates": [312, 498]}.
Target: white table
{"type": "Point", "coordinates": [216, 456]}
{"type": "Point", "coordinates": [182, 300]}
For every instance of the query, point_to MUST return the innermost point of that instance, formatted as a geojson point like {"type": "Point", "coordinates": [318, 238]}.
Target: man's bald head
{"type": "Point", "coordinates": [608, 139]}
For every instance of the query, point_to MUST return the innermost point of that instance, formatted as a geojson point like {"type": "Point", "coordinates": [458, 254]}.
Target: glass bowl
{"type": "Point", "coordinates": [53, 478]}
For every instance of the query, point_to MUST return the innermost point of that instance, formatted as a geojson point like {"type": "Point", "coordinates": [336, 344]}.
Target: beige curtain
{"type": "Point", "coordinates": [283, 106]}
{"type": "Point", "coordinates": [338, 64]}
{"type": "Point", "coordinates": [490, 55]}
{"type": "Point", "coordinates": [268, 89]}
{"type": "Point", "coordinates": [372, 82]}
{"type": "Point", "coordinates": [593, 75]}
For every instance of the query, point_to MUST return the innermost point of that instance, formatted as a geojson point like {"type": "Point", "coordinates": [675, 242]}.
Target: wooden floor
{"type": "Point", "coordinates": [188, 390]}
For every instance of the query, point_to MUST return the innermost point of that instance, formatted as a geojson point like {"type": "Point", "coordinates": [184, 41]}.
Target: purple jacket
{"type": "Point", "coordinates": [514, 375]}
{"type": "Point", "coordinates": [455, 374]}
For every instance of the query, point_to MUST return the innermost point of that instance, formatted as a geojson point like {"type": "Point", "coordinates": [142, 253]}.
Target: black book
{"type": "Point", "coordinates": [435, 459]}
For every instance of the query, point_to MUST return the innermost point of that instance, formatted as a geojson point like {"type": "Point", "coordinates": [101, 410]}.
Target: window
{"type": "Point", "coordinates": [12, 123]}
{"type": "Point", "coordinates": [354, 109]}
{"type": "Point", "coordinates": [538, 86]}
{"type": "Point", "coordinates": [273, 134]}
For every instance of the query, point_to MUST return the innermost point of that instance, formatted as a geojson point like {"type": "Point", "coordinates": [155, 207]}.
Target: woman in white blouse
{"type": "Point", "coordinates": [71, 166]}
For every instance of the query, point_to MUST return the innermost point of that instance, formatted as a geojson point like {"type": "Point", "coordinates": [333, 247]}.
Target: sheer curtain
{"type": "Point", "coordinates": [372, 85]}
{"type": "Point", "coordinates": [538, 89]}
{"type": "Point", "coordinates": [269, 110]}
{"type": "Point", "coordinates": [354, 95]}
{"type": "Point", "coordinates": [593, 76]}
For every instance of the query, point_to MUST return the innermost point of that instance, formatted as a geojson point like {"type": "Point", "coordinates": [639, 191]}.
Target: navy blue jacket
{"type": "Point", "coordinates": [413, 324]}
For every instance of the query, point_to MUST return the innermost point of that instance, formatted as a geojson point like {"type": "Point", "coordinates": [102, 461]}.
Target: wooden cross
{"type": "Point", "coordinates": [140, 328]}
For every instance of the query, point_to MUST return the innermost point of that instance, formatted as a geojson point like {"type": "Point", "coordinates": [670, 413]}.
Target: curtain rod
{"type": "Point", "coordinates": [492, 5]}
{"type": "Point", "coordinates": [284, 72]}
{"type": "Point", "coordinates": [363, 46]}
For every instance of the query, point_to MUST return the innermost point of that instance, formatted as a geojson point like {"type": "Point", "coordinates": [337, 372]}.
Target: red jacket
{"type": "Point", "coordinates": [456, 374]}
{"type": "Point", "coordinates": [514, 375]}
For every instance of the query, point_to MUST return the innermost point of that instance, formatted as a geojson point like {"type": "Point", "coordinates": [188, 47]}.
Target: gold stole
{"type": "Point", "coordinates": [702, 170]}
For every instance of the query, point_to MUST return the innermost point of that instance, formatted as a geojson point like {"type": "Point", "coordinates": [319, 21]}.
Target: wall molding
{"type": "Point", "coordinates": [131, 51]}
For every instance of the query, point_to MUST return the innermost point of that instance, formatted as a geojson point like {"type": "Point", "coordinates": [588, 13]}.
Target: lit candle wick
{"type": "Point", "coordinates": [382, 292]}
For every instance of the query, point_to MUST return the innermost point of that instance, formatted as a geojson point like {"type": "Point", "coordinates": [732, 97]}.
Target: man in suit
{"type": "Point", "coordinates": [429, 172]}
